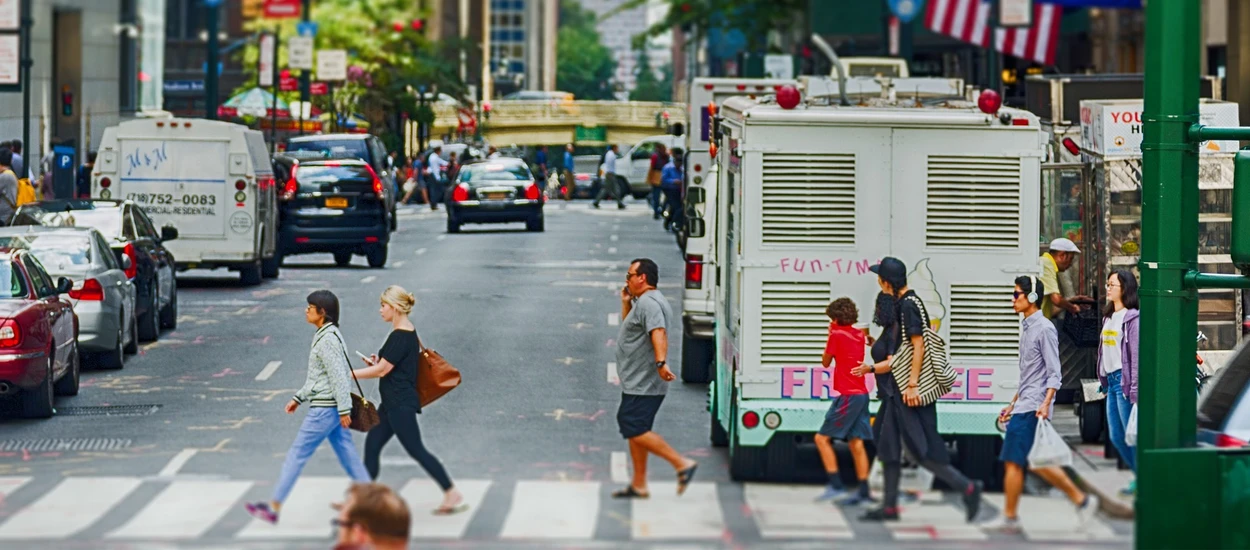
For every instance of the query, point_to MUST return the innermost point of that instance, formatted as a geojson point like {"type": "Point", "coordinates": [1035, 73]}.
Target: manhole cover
{"type": "Point", "coordinates": [46, 445]}
{"type": "Point", "coordinates": [108, 410]}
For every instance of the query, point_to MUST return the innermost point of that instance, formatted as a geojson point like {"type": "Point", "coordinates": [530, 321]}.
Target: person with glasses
{"type": "Point", "coordinates": [327, 390]}
{"type": "Point", "coordinates": [642, 365]}
{"type": "Point", "coordinates": [1117, 361]}
{"type": "Point", "coordinates": [373, 517]}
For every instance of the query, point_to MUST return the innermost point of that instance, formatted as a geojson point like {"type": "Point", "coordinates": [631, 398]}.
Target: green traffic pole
{"type": "Point", "coordinates": [1169, 311]}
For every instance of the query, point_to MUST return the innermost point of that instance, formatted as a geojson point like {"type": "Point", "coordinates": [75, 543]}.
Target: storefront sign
{"type": "Point", "coordinates": [10, 15]}
{"type": "Point", "coordinates": [10, 60]}
{"type": "Point", "coordinates": [282, 9]}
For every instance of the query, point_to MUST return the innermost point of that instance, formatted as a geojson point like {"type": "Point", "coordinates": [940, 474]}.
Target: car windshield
{"type": "Point", "coordinates": [330, 148]}
{"type": "Point", "coordinates": [17, 285]}
{"type": "Point", "coordinates": [494, 172]}
{"type": "Point", "coordinates": [56, 252]}
{"type": "Point", "coordinates": [107, 221]}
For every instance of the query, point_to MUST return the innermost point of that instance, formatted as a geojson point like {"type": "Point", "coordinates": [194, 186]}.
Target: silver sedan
{"type": "Point", "coordinates": [102, 295]}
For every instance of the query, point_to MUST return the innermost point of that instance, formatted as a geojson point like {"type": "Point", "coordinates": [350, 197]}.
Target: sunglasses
{"type": "Point", "coordinates": [1017, 294]}
{"type": "Point", "coordinates": [629, 276]}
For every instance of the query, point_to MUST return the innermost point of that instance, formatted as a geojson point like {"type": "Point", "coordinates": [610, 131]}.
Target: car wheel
{"type": "Point", "coordinates": [169, 314]}
{"type": "Point", "coordinates": [250, 274]}
{"type": "Point", "coordinates": [453, 226]}
{"type": "Point", "coordinates": [133, 347]}
{"type": "Point", "coordinates": [1090, 422]}
{"type": "Point", "coordinates": [535, 224]}
{"type": "Point", "coordinates": [377, 256]}
{"type": "Point", "coordinates": [394, 219]}
{"type": "Point", "coordinates": [342, 259]}
{"type": "Point", "coordinates": [115, 358]}
{"type": "Point", "coordinates": [68, 384]}
{"type": "Point", "coordinates": [270, 268]}
{"type": "Point", "coordinates": [149, 326]}
{"type": "Point", "coordinates": [37, 402]}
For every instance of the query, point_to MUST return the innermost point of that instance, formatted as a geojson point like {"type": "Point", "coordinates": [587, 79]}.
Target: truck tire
{"type": "Point", "coordinates": [250, 275]}
{"type": "Point", "coordinates": [270, 268]}
{"type": "Point", "coordinates": [1092, 420]}
{"type": "Point", "coordinates": [696, 360]}
{"type": "Point", "coordinates": [978, 459]}
{"type": "Point", "coordinates": [377, 256]}
{"type": "Point", "coordinates": [719, 437]}
{"type": "Point", "coordinates": [453, 226]}
{"type": "Point", "coordinates": [746, 463]}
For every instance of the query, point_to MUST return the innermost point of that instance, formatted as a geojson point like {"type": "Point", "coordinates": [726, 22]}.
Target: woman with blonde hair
{"type": "Point", "coordinates": [396, 365]}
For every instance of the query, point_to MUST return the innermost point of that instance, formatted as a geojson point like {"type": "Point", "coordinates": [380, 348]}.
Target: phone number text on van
{"type": "Point", "coordinates": [147, 199]}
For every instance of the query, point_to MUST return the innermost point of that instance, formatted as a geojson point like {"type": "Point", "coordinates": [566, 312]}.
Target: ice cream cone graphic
{"type": "Point", "coordinates": [921, 281]}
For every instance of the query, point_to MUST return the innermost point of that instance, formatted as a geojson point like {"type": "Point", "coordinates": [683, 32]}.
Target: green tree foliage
{"type": "Point", "coordinates": [649, 88]}
{"type": "Point", "coordinates": [755, 18]}
{"type": "Point", "coordinates": [584, 66]}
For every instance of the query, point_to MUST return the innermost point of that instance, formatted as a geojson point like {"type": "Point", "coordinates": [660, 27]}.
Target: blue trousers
{"type": "Point", "coordinates": [654, 200]}
{"type": "Point", "coordinates": [320, 424]}
{"type": "Point", "coordinates": [1118, 410]}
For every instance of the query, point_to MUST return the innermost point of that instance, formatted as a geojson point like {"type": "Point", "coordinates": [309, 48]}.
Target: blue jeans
{"type": "Point", "coordinates": [654, 200]}
{"type": "Point", "coordinates": [320, 424]}
{"type": "Point", "coordinates": [1118, 410]}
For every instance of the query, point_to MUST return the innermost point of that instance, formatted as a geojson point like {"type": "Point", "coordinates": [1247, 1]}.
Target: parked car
{"type": "Point", "coordinates": [102, 294]}
{"type": "Point", "coordinates": [500, 190]}
{"type": "Point", "coordinates": [133, 238]}
{"type": "Point", "coordinates": [38, 335]}
{"type": "Point", "coordinates": [1224, 405]}
{"type": "Point", "coordinates": [363, 147]}
{"type": "Point", "coordinates": [336, 206]}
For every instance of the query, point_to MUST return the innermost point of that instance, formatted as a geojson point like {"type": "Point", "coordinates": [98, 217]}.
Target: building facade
{"type": "Point", "coordinates": [186, 52]}
{"type": "Point", "coordinates": [617, 31]}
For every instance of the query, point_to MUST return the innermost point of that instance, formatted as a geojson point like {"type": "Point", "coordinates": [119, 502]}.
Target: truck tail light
{"type": "Point", "coordinates": [694, 271]}
{"type": "Point", "coordinates": [750, 419]}
{"type": "Point", "coordinates": [460, 193]}
{"type": "Point", "coordinates": [129, 251]}
{"type": "Point", "coordinates": [532, 192]}
{"type": "Point", "coordinates": [105, 182]}
{"type": "Point", "coordinates": [1225, 441]}
{"type": "Point", "coordinates": [10, 334]}
{"type": "Point", "coordinates": [91, 291]}
{"type": "Point", "coordinates": [1071, 146]}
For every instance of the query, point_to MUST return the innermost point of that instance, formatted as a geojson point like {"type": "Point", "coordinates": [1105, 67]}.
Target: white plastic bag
{"type": "Point", "coordinates": [1049, 448]}
{"type": "Point", "coordinates": [1130, 430]}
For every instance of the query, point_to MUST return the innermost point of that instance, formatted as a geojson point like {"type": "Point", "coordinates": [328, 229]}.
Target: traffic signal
{"type": "Point", "coordinates": [67, 102]}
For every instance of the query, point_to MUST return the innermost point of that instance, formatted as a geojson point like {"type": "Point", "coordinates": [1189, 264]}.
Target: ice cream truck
{"type": "Point", "coordinates": [810, 198]}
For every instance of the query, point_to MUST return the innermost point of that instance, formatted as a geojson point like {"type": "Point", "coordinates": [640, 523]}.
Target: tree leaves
{"type": "Point", "coordinates": [584, 66]}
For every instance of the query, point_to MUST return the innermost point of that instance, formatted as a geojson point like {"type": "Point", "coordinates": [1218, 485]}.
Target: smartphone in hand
{"type": "Point", "coordinates": [364, 358]}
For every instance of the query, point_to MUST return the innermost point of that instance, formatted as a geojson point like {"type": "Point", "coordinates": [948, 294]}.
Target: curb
{"type": "Point", "coordinates": [1110, 504]}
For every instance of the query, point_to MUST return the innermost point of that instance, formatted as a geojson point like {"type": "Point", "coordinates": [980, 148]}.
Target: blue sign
{"type": "Point", "coordinates": [307, 28]}
{"type": "Point", "coordinates": [212, 3]}
{"type": "Point", "coordinates": [173, 86]}
{"type": "Point", "coordinates": [906, 10]}
{"type": "Point", "coordinates": [64, 156]}
{"type": "Point", "coordinates": [204, 67]}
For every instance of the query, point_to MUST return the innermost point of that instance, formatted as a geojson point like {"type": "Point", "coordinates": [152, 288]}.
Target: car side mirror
{"type": "Point", "coordinates": [125, 261]}
{"type": "Point", "coordinates": [169, 233]}
{"type": "Point", "coordinates": [696, 227]}
{"type": "Point", "coordinates": [696, 195]}
{"type": "Point", "coordinates": [677, 129]}
{"type": "Point", "coordinates": [63, 285]}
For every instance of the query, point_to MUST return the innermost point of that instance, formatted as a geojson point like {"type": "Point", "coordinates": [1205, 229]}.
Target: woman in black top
{"type": "Point", "coordinates": [396, 365]}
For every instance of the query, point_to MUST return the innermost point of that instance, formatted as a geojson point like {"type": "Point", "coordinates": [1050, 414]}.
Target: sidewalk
{"type": "Point", "coordinates": [1094, 472]}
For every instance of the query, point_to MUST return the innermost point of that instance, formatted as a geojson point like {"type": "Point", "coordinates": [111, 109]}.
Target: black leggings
{"type": "Point", "coordinates": [402, 421]}
{"type": "Point", "coordinates": [916, 430]}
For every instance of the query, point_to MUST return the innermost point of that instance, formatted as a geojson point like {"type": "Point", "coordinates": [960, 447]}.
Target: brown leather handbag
{"type": "Point", "coordinates": [364, 414]}
{"type": "Point", "coordinates": [435, 376]}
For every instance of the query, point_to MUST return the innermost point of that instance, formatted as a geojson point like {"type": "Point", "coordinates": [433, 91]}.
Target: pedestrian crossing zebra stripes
{"type": "Point", "coordinates": [118, 508]}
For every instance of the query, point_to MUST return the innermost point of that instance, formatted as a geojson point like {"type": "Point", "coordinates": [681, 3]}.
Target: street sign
{"type": "Point", "coordinates": [10, 60]}
{"type": "Point", "coordinates": [265, 70]}
{"type": "Point", "coordinates": [591, 134]}
{"type": "Point", "coordinates": [306, 28]}
{"type": "Point", "coordinates": [332, 65]}
{"type": "Point", "coordinates": [171, 86]}
{"type": "Point", "coordinates": [906, 10]}
{"type": "Point", "coordinates": [282, 9]}
{"type": "Point", "coordinates": [299, 52]}
{"type": "Point", "coordinates": [288, 84]}
{"type": "Point", "coordinates": [318, 88]}
{"type": "Point", "coordinates": [779, 66]}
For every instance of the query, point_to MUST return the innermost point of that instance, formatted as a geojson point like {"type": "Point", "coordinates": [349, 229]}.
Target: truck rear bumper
{"type": "Point", "coordinates": [954, 418]}
{"type": "Point", "coordinates": [699, 326]}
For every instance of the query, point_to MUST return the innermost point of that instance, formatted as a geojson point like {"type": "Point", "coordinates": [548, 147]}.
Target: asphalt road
{"type": "Point", "coordinates": [195, 425]}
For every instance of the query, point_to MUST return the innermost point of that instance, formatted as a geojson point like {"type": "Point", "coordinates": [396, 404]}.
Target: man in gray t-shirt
{"type": "Point", "coordinates": [642, 364]}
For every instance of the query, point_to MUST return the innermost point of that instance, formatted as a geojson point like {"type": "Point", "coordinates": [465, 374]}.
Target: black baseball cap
{"type": "Point", "coordinates": [890, 269]}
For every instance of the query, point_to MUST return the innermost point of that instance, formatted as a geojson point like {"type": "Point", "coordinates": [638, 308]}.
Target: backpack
{"type": "Point", "coordinates": [25, 192]}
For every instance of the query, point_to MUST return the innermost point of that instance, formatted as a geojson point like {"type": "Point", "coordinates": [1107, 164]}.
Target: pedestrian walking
{"type": "Point", "coordinates": [372, 517]}
{"type": "Point", "coordinates": [848, 416]}
{"type": "Point", "coordinates": [642, 363]}
{"type": "Point", "coordinates": [327, 390]}
{"type": "Point", "coordinates": [1118, 361]}
{"type": "Point", "coordinates": [540, 162]}
{"type": "Point", "coordinates": [396, 365]}
{"type": "Point", "coordinates": [436, 168]}
{"type": "Point", "coordinates": [19, 163]}
{"type": "Point", "coordinates": [1035, 394]}
{"type": "Point", "coordinates": [8, 187]}
{"type": "Point", "coordinates": [416, 182]}
{"type": "Point", "coordinates": [610, 183]}
{"type": "Point", "coordinates": [570, 181]}
{"type": "Point", "coordinates": [659, 159]}
{"type": "Point", "coordinates": [670, 182]}
{"type": "Point", "coordinates": [901, 420]}
{"type": "Point", "coordinates": [82, 184]}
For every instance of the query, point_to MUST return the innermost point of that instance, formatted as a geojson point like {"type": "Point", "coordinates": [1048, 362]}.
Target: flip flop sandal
{"type": "Point", "coordinates": [630, 492]}
{"type": "Point", "coordinates": [445, 511]}
{"type": "Point", "coordinates": [684, 477]}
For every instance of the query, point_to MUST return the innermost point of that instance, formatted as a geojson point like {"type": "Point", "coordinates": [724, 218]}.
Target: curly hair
{"type": "Point", "coordinates": [843, 311]}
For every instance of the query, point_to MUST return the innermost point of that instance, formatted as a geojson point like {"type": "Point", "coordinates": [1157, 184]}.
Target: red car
{"type": "Point", "coordinates": [38, 335]}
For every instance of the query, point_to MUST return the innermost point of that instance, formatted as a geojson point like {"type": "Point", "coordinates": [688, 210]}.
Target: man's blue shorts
{"type": "Point", "coordinates": [848, 418]}
{"type": "Point", "coordinates": [1021, 430]}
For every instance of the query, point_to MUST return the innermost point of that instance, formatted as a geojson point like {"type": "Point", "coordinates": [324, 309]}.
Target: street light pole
{"type": "Point", "coordinates": [27, 24]}
{"type": "Point", "coordinates": [305, 75]}
{"type": "Point", "coordinates": [212, 9]}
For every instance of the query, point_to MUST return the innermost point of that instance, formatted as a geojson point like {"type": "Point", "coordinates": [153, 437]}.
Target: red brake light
{"type": "Point", "coordinates": [694, 271]}
{"type": "Point", "coordinates": [105, 183]}
{"type": "Point", "coordinates": [742, 87]}
{"type": "Point", "coordinates": [460, 193]}
{"type": "Point", "coordinates": [129, 251]}
{"type": "Point", "coordinates": [377, 182]}
{"type": "Point", "coordinates": [1225, 441]}
{"type": "Point", "coordinates": [532, 192]}
{"type": "Point", "coordinates": [1020, 121]}
{"type": "Point", "coordinates": [291, 187]}
{"type": "Point", "coordinates": [10, 334]}
{"type": "Point", "coordinates": [91, 291]}
{"type": "Point", "coordinates": [240, 185]}
{"type": "Point", "coordinates": [750, 419]}
{"type": "Point", "coordinates": [583, 177]}
{"type": "Point", "coordinates": [698, 168]}
{"type": "Point", "coordinates": [707, 87]}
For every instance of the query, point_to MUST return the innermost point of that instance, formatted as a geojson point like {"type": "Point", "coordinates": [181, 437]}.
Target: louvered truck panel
{"type": "Point", "coordinates": [793, 325]}
{"type": "Point", "coordinates": [809, 199]}
{"type": "Point", "coordinates": [980, 324]}
{"type": "Point", "coordinates": [972, 202]}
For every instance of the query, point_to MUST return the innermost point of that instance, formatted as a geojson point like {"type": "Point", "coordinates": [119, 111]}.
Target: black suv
{"type": "Point", "coordinates": [336, 206]}
{"type": "Point", "coordinates": [364, 147]}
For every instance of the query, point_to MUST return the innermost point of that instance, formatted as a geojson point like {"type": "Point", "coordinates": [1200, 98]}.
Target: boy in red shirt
{"type": "Point", "coordinates": [847, 418]}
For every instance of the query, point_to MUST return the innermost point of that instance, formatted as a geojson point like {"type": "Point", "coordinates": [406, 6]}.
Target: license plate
{"type": "Point", "coordinates": [496, 196]}
{"type": "Point", "coordinates": [336, 202]}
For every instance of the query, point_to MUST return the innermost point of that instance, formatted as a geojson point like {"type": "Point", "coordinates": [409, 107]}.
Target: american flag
{"type": "Point", "coordinates": [969, 21]}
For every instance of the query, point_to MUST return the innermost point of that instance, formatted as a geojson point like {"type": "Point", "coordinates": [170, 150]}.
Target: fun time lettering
{"type": "Point", "coordinates": [817, 383]}
{"type": "Point", "coordinates": [843, 266]}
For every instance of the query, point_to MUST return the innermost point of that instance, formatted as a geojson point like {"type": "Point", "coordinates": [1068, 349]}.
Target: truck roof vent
{"type": "Point", "coordinates": [809, 199]}
{"type": "Point", "coordinates": [793, 325]}
{"type": "Point", "coordinates": [973, 202]}
{"type": "Point", "coordinates": [981, 325]}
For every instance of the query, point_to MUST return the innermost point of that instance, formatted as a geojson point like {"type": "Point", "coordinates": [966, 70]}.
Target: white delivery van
{"type": "Point", "coordinates": [698, 310]}
{"type": "Point", "coordinates": [809, 199]}
{"type": "Point", "coordinates": [635, 163]}
{"type": "Point", "coordinates": [211, 180]}
{"type": "Point", "coordinates": [704, 93]}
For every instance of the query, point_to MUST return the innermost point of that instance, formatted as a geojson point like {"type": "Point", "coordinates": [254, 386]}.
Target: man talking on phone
{"type": "Point", "coordinates": [642, 363]}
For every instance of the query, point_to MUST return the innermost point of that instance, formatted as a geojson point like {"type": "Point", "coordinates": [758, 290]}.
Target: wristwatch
{"type": "Point", "coordinates": [660, 364]}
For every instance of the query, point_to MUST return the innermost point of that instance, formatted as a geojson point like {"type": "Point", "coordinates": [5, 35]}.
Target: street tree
{"type": "Point", "coordinates": [647, 87]}
{"type": "Point", "coordinates": [584, 66]}
{"type": "Point", "coordinates": [756, 19]}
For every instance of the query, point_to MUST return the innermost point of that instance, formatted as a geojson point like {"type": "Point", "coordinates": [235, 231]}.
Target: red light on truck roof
{"type": "Point", "coordinates": [707, 87]}
{"type": "Point", "coordinates": [742, 87]}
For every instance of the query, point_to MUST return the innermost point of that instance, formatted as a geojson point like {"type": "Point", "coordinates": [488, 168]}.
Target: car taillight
{"type": "Point", "coordinates": [377, 182]}
{"type": "Point", "coordinates": [694, 271]}
{"type": "Point", "coordinates": [532, 192]}
{"type": "Point", "coordinates": [1226, 441]}
{"type": "Point", "coordinates": [750, 419]}
{"type": "Point", "coordinates": [291, 187]}
{"type": "Point", "coordinates": [460, 193]}
{"type": "Point", "coordinates": [91, 291]}
{"type": "Point", "coordinates": [129, 251]}
{"type": "Point", "coordinates": [10, 334]}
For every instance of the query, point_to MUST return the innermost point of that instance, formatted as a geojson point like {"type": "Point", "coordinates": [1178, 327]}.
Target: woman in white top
{"type": "Point", "coordinates": [1118, 360]}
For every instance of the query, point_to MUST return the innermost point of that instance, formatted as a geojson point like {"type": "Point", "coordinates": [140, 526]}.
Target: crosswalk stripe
{"type": "Point", "coordinates": [184, 510]}
{"type": "Point", "coordinates": [306, 512]}
{"type": "Point", "coordinates": [787, 512]}
{"type": "Point", "coordinates": [934, 519]}
{"type": "Point", "coordinates": [9, 484]}
{"type": "Point", "coordinates": [423, 496]}
{"type": "Point", "coordinates": [1037, 520]}
{"type": "Point", "coordinates": [552, 510]}
{"type": "Point", "coordinates": [695, 515]}
{"type": "Point", "coordinates": [71, 506]}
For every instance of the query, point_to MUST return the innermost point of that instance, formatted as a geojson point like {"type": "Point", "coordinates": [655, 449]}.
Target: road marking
{"type": "Point", "coordinates": [223, 303]}
{"type": "Point", "coordinates": [611, 250]}
{"type": "Point", "coordinates": [9, 484]}
{"type": "Point", "coordinates": [614, 238]}
{"type": "Point", "coordinates": [420, 251]}
{"type": "Point", "coordinates": [268, 371]}
{"type": "Point", "coordinates": [177, 462]}
{"type": "Point", "coordinates": [620, 472]}
{"type": "Point", "coordinates": [441, 237]}
{"type": "Point", "coordinates": [695, 515]}
{"type": "Point", "coordinates": [306, 514]}
{"type": "Point", "coordinates": [368, 279]}
{"type": "Point", "coordinates": [1052, 519]}
{"type": "Point", "coordinates": [552, 510]}
{"type": "Point", "coordinates": [184, 510]}
{"type": "Point", "coordinates": [423, 496]}
{"type": "Point", "coordinates": [786, 512]}
{"type": "Point", "coordinates": [73, 505]}
{"type": "Point", "coordinates": [935, 519]}
{"type": "Point", "coordinates": [613, 377]}
{"type": "Point", "coordinates": [397, 265]}
{"type": "Point", "coordinates": [614, 318]}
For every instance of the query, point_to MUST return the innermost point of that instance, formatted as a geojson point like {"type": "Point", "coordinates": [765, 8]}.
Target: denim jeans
{"type": "Point", "coordinates": [654, 200]}
{"type": "Point", "coordinates": [1118, 409]}
{"type": "Point", "coordinates": [320, 424]}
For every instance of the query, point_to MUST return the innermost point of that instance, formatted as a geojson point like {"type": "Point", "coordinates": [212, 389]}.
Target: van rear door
{"type": "Point", "coordinates": [179, 182]}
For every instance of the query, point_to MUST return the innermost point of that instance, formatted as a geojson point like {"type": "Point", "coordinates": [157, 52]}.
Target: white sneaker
{"type": "Point", "coordinates": [1003, 524]}
{"type": "Point", "coordinates": [1087, 511]}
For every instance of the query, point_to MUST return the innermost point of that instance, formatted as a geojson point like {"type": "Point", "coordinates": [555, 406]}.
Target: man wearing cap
{"type": "Point", "coordinates": [1058, 259]}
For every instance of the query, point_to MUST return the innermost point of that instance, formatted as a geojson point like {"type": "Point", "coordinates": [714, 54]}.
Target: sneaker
{"type": "Point", "coordinates": [880, 514]}
{"type": "Point", "coordinates": [910, 497]}
{"type": "Point", "coordinates": [1131, 490]}
{"type": "Point", "coordinates": [856, 500]}
{"type": "Point", "coordinates": [620, 206]}
{"type": "Point", "coordinates": [261, 511]}
{"type": "Point", "coordinates": [1003, 524]}
{"type": "Point", "coordinates": [1085, 512]}
{"type": "Point", "coordinates": [831, 493]}
{"type": "Point", "coordinates": [972, 501]}
{"type": "Point", "coordinates": [595, 204]}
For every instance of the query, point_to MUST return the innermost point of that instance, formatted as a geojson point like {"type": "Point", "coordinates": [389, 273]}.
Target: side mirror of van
{"type": "Point", "coordinates": [696, 228]}
{"type": "Point", "coordinates": [677, 129]}
{"type": "Point", "coordinates": [169, 233]}
{"type": "Point", "coordinates": [696, 195]}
